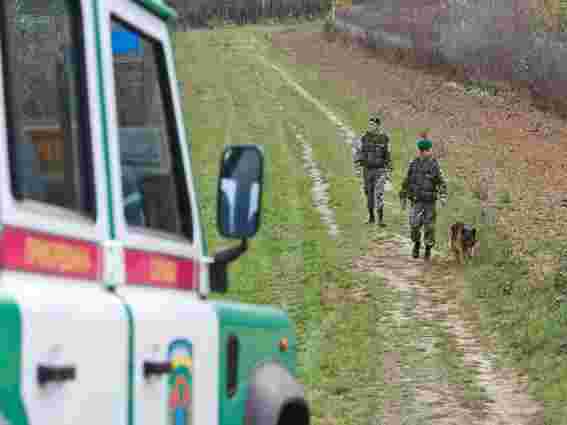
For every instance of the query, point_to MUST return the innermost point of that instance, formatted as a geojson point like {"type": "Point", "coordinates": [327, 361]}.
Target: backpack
{"type": "Point", "coordinates": [423, 179]}
{"type": "Point", "coordinates": [374, 148]}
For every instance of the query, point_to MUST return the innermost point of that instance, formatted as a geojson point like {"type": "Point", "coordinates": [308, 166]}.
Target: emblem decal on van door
{"type": "Point", "coordinates": [180, 354]}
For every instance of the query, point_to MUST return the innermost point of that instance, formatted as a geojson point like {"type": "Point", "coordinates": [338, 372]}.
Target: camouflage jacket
{"type": "Point", "coordinates": [373, 145]}
{"type": "Point", "coordinates": [424, 181]}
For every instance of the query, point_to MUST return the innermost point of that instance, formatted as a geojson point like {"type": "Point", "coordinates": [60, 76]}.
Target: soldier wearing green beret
{"type": "Point", "coordinates": [373, 158]}
{"type": "Point", "coordinates": [423, 185]}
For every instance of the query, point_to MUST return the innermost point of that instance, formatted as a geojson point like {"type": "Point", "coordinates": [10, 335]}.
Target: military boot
{"type": "Point", "coordinates": [371, 218]}
{"type": "Point", "coordinates": [427, 255]}
{"type": "Point", "coordinates": [416, 247]}
{"type": "Point", "coordinates": [381, 217]}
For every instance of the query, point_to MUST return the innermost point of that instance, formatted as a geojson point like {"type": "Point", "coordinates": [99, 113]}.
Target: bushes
{"type": "Point", "coordinates": [212, 14]}
{"type": "Point", "coordinates": [495, 41]}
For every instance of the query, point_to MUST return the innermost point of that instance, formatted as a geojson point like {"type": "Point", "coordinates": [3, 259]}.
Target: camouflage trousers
{"type": "Point", "coordinates": [374, 182]}
{"type": "Point", "coordinates": [423, 214]}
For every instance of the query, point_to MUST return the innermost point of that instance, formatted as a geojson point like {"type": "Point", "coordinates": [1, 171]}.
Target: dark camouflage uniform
{"type": "Point", "coordinates": [424, 184]}
{"type": "Point", "coordinates": [374, 175]}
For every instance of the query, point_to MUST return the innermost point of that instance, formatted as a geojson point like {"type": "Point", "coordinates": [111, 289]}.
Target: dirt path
{"type": "Point", "coordinates": [436, 293]}
{"type": "Point", "coordinates": [430, 293]}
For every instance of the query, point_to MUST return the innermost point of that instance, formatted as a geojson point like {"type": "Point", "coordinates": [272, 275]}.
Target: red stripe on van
{"type": "Point", "coordinates": [38, 252]}
{"type": "Point", "coordinates": [165, 271]}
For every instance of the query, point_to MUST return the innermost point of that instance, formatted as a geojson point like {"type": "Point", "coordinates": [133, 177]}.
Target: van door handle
{"type": "Point", "coordinates": [47, 374]}
{"type": "Point", "coordinates": [156, 368]}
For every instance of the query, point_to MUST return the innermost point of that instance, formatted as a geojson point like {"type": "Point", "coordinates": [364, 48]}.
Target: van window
{"type": "Point", "coordinates": [44, 80]}
{"type": "Point", "coordinates": [154, 186]}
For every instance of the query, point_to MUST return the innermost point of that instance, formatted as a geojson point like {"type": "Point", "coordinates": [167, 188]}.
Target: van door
{"type": "Point", "coordinates": [175, 354]}
{"type": "Point", "coordinates": [73, 352]}
{"type": "Point", "coordinates": [67, 355]}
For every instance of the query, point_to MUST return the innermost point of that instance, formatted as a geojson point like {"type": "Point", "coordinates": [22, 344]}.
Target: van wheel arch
{"type": "Point", "coordinates": [275, 398]}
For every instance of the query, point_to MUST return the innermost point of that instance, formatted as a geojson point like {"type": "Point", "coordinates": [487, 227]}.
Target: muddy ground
{"type": "Point", "coordinates": [497, 143]}
{"type": "Point", "coordinates": [433, 292]}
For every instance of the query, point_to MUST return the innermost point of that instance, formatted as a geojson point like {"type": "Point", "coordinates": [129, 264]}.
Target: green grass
{"type": "Point", "coordinates": [529, 321]}
{"type": "Point", "coordinates": [481, 87]}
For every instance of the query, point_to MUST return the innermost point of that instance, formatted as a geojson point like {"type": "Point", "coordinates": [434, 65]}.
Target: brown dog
{"type": "Point", "coordinates": [462, 241]}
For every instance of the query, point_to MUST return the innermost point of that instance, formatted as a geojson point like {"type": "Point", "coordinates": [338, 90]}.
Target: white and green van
{"type": "Point", "coordinates": [104, 270]}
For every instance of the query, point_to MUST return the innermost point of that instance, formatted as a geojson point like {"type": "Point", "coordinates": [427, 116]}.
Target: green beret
{"type": "Point", "coordinates": [424, 144]}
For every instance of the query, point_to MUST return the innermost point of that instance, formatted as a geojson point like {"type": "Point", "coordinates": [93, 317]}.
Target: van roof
{"type": "Point", "coordinates": [160, 8]}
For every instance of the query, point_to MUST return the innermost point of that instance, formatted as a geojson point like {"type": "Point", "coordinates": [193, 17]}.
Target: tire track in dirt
{"type": "Point", "coordinates": [319, 189]}
{"type": "Point", "coordinates": [509, 404]}
{"type": "Point", "coordinates": [430, 396]}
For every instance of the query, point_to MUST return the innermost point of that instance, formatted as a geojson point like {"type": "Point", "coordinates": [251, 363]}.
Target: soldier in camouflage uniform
{"type": "Point", "coordinates": [372, 154]}
{"type": "Point", "coordinates": [423, 186]}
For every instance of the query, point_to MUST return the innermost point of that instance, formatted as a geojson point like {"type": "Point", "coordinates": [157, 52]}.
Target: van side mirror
{"type": "Point", "coordinates": [239, 204]}
{"type": "Point", "coordinates": [239, 195]}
